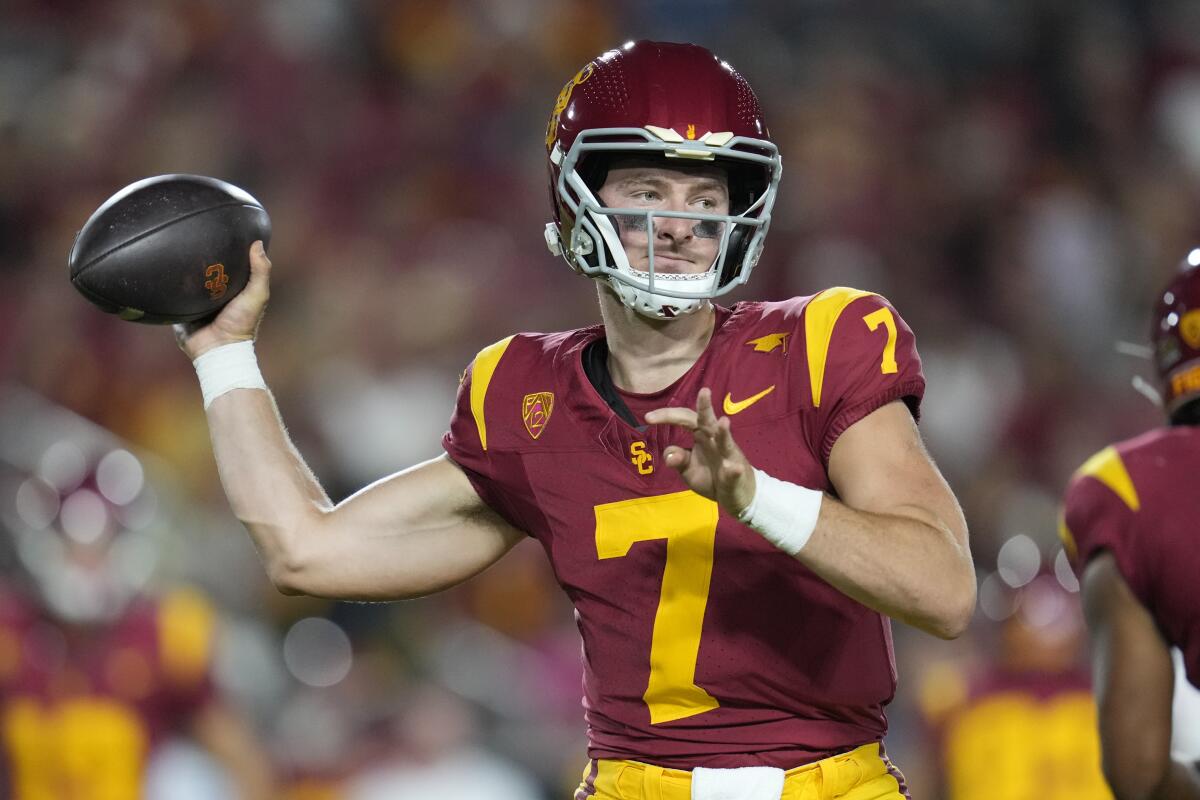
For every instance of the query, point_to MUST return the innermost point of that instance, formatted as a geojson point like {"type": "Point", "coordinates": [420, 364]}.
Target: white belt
{"type": "Point", "coordinates": [739, 783]}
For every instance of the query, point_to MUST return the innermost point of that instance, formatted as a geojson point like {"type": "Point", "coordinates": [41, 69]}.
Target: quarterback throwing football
{"type": "Point", "coordinates": [735, 499]}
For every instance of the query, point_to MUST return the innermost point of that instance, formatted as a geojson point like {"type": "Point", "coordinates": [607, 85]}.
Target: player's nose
{"type": "Point", "coordinates": [674, 229]}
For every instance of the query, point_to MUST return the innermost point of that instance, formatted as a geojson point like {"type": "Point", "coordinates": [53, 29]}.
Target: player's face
{"type": "Point", "coordinates": [681, 245]}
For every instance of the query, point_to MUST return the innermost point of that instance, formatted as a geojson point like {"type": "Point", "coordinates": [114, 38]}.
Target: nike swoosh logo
{"type": "Point", "coordinates": [730, 407]}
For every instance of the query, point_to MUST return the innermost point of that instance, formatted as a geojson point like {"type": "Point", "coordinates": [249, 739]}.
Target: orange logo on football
{"type": "Point", "coordinates": [217, 281]}
{"type": "Point", "coordinates": [536, 410]}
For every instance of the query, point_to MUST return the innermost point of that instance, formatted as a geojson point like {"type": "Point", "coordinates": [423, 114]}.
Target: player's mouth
{"type": "Point", "coordinates": [670, 265]}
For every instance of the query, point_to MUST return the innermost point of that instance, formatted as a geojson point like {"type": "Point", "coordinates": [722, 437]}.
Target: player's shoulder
{"type": "Point", "coordinates": [1118, 468]}
{"type": "Point", "coordinates": [526, 353]}
{"type": "Point", "coordinates": [1108, 491]}
{"type": "Point", "coordinates": [814, 317]}
{"type": "Point", "coordinates": [840, 335]}
{"type": "Point", "coordinates": [512, 387]}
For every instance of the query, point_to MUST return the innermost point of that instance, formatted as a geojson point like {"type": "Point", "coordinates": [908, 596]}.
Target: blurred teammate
{"type": "Point", "coordinates": [735, 500]}
{"type": "Point", "coordinates": [1130, 524]}
{"type": "Point", "coordinates": [95, 673]}
{"type": "Point", "coordinates": [1025, 728]}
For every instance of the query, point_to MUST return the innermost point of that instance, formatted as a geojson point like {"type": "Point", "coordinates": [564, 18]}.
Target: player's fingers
{"type": "Point", "coordinates": [724, 438]}
{"type": "Point", "coordinates": [260, 268]}
{"type": "Point", "coordinates": [705, 416]}
{"type": "Point", "coordinates": [674, 415]}
{"type": "Point", "coordinates": [677, 457]}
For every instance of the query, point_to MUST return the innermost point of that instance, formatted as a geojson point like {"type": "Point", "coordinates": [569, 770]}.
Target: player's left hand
{"type": "Point", "coordinates": [715, 467]}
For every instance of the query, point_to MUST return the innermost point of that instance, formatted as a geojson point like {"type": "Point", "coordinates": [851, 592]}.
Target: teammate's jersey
{"type": "Point", "coordinates": [82, 709]}
{"type": "Point", "coordinates": [703, 644]}
{"type": "Point", "coordinates": [1019, 735]}
{"type": "Point", "coordinates": [1139, 501]}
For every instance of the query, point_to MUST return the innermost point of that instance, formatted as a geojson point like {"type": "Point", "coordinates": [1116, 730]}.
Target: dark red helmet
{"type": "Point", "coordinates": [1176, 336]}
{"type": "Point", "coordinates": [678, 102]}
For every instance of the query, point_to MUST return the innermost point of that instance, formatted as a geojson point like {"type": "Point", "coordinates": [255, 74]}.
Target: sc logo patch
{"type": "Point", "coordinates": [641, 459]}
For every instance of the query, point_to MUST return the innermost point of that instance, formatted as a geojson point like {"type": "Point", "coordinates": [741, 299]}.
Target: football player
{"type": "Point", "coordinates": [735, 499]}
{"type": "Point", "coordinates": [1022, 723]}
{"type": "Point", "coordinates": [97, 672]}
{"type": "Point", "coordinates": [1129, 524]}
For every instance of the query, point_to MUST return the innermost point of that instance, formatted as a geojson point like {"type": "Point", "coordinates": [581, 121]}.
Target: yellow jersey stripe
{"type": "Point", "coordinates": [820, 316]}
{"type": "Point", "coordinates": [1067, 538]}
{"type": "Point", "coordinates": [481, 378]}
{"type": "Point", "coordinates": [1108, 468]}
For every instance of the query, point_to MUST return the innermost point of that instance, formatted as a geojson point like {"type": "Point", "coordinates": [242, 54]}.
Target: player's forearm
{"type": "Point", "coordinates": [270, 488]}
{"type": "Point", "coordinates": [907, 567]}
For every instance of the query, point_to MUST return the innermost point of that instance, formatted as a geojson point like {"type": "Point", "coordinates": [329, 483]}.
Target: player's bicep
{"type": "Point", "coordinates": [1132, 677]}
{"type": "Point", "coordinates": [880, 465]}
{"type": "Point", "coordinates": [413, 533]}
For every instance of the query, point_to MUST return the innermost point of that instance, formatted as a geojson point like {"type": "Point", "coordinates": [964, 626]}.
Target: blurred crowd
{"type": "Point", "coordinates": [1018, 178]}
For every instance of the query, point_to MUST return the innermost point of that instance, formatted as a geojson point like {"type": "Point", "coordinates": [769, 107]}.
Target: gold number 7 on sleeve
{"type": "Point", "coordinates": [689, 524]}
{"type": "Point", "coordinates": [873, 320]}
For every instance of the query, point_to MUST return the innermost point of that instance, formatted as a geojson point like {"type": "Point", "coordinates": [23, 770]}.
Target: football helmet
{"type": "Point", "coordinates": [680, 103]}
{"type": "Point", "coordinates": [1175, 337]}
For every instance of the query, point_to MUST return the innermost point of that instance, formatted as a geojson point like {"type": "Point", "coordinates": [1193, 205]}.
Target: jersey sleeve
{"type": "Point", "coordinates": [1099, 510]}
{"type": "Point", "coordinates": [466, 442]}
{"type": "Point", "coordinates": [861, 355]}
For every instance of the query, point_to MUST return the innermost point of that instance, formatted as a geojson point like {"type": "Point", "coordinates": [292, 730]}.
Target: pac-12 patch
{"type": "Point", "coordinates": [535, 410]}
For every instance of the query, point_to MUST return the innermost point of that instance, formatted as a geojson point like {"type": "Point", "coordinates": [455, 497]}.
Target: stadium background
{"type": "Point", "coordinates": [1017, 177]}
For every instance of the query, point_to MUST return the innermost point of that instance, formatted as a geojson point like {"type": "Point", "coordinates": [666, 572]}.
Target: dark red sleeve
{"type": "Point", "coordinates": [481, 466]}
{"type": "Point", "coordinates": [859, 375]}
{"type": "Point", "coordinates": [1097, 520]}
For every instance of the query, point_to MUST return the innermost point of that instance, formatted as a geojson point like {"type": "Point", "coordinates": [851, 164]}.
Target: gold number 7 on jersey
{"type": "Point", "coordinates": [689, 524]}
{"type": "Point", "coordinates": [873, 320]}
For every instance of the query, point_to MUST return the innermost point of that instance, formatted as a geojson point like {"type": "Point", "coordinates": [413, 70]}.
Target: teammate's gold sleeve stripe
{"type": "Point", "coordinates": [819, 318]}
{"type": "Point", "coordinates": [1108, 468]}
{"type": "Point", "coordinates": [1067, 538]}
{"type": "Point", "coordinates": [186, 625]}
{"type": "Point", "coordinates": [481, 378]}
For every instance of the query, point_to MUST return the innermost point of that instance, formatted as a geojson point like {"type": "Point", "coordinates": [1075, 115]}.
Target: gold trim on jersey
{"type": "Point", "coordinates": [481, 377]}
{"type": "Point", "coordinates": [821, 314]}
{"type": "Point", "coordinates": [1108, 468]}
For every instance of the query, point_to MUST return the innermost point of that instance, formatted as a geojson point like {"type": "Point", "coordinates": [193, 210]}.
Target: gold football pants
{"type": "Point", "coordinates": [861, 774]}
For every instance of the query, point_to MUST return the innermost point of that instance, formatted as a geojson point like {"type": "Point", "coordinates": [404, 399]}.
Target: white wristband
{"type": "Point", "coordinates": [230, 366]}
{"type": "Point", "coordinates": [784, 513]}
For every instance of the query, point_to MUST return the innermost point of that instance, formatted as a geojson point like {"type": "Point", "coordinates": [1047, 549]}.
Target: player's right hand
{"type": "Point", "coordinates": [238, 321]}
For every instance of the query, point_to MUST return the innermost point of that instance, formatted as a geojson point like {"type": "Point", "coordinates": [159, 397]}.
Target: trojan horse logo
{"type": "Point", "coordinates": [536, 410]}
{"type": "Point", "coordinates": [217, 281]}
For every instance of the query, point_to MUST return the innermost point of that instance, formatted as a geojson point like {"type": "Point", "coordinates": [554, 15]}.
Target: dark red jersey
{"type": "Point", "coordinates": [703, 645]}
{"type": "Point", "coordinates": [1139, 501]}
{"type": "Point", "coordinates": [83, 708]}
